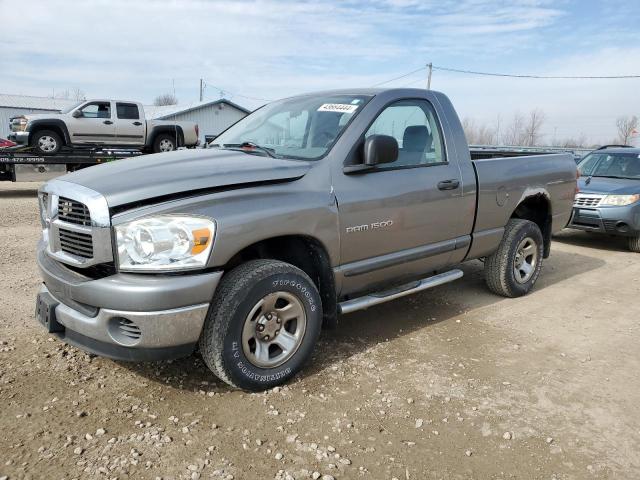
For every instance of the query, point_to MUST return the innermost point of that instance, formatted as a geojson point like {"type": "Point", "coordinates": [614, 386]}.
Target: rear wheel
{"type": "Point", "coordinates": [262, 326]}
{"type": "Point", "coordinates": [164, 143]}
{"type": "Point", "coordinates": [634, 243]}
{"type": "Point", "coordinates": [46, 142]}
{"type": "Point", "coordinates": [512, 270]}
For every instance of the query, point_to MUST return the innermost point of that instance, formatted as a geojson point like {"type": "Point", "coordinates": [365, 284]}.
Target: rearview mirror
{"type": "Point", "coordinates": [380, 149]}
{"type": "Point", "coordinates": [76, 114]}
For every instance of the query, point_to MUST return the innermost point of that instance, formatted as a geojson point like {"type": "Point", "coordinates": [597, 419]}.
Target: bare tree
{"type": "Point", "coordinates": [78, 94]}
{"type": "Point", "coordinates": [478, 134]}
{"type": "Point", "coordinates": [514, 134]}
{"type": "Point", "coordinates": [165, 99]}
{"type": "Point", "coordinates": [532, 128]}
{"type": "Point", "coordinates": [626, 127]}
{"type": "Point", "coordinates": [574, 142]}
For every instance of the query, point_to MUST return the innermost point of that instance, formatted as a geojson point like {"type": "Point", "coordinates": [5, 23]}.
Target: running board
{"type": "Point", "coordinates": [372, 299]}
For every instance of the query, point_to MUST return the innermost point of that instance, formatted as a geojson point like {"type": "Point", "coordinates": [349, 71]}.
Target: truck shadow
{"type": "Point", "coordinates": [359, 331]}
{"type": "Point", "coordinates": [612, 243]}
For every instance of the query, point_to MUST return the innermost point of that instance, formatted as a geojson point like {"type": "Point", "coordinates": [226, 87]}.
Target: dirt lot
{"type": "Point", "coordinates": [451, 383]}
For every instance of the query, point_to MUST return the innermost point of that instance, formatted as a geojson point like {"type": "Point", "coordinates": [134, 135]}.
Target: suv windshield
{"type": "Point", "coordinates": [615, 165]}
{"type": "Point", "coordinates": [302, 127]}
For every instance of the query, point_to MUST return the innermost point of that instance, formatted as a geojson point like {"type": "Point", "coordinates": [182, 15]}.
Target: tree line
{"type": "Point", "coordinates": [526, 131]}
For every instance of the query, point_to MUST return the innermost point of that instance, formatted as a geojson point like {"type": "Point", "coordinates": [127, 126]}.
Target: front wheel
{"type": "Point", "coordinates": [512, 270]}
{"type": "Point", "coordinates": [634, 243]}
{"type": "Point", "coordinates": [262, 326]}
{"type": "Point", "coordinates": [46, 142]}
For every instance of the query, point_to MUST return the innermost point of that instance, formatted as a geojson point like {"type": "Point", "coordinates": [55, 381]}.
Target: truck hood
{"type": "Point", "coordinates": [617, 186]}
{"type": "Point", "coordinates": [182, 172]}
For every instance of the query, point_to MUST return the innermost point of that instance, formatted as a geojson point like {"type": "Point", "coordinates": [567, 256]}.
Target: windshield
{"type": "Point", "coordinates": [615, 165]}
{"type": "Point", "coordinates": [68, 109]}
{"type": "Point", "coordinates": [302, 127]}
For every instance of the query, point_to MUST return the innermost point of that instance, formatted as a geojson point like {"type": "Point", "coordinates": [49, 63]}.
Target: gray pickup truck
{"type": "Point", "coordinates": [310, 207]}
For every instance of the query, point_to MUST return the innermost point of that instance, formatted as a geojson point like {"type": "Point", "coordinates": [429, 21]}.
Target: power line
{"type": "Point", "coordinates": [223, 91]}
{"type": "Point", "coordinates": [401, 76]}
{"type": "Point", "coordinates": [546, 77]}
{"type": "Point", "coordinates": [509, 75]}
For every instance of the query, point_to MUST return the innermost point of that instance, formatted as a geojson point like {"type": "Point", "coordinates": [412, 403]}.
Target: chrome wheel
{"type": "Point", "coordinates": [166, 145]}
{"type": "Point", "coordinates": [273, 330]}
{"type": "Point", "coordinates": [526, 260]}
{"type": "Point", "coordinates": [47, 143]}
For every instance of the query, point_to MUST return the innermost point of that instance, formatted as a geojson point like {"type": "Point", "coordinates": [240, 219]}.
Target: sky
{"type": "Point", "coordinates": [254, 51]}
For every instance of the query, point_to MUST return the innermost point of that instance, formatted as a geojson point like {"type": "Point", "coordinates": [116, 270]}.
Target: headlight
{"type": "Point", "coordinates": [43, 204]}
{"type": "Point", "coordinates": [19, 124]}
{"type": "Point", "coordinates": [164, 243]}
{"type": "Point", "coordinates": [619, 200]}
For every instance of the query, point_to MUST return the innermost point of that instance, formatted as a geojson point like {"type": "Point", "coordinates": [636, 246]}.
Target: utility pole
{"type": "Point", "coordinates": [201, 88]}
{"type": "Point", "coordinates": [430, 65]}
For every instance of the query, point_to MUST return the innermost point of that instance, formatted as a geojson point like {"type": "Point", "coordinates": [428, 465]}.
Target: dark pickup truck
{"type": "Point", "coordinates": [310, 207]}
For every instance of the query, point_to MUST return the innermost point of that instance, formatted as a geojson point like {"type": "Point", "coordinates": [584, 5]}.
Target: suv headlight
{"type": "Point", "coordinates": [164, 243]}
{"type": "Point", "coordinates": [19, 124]}
{"type": "Point", "coordinates": [619, 200]}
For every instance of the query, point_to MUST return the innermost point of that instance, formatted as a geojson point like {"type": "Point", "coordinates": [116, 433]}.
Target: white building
{"type": "Point", "coordinates": [212, 117]}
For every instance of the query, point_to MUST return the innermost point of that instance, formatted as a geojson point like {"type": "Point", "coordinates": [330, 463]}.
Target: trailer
{"type": "Point", "coordinates": [21, 164]}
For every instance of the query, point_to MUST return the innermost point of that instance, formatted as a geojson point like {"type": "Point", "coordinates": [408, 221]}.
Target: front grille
{"type": "Point", "coordinates": [71, 211]}
{"type": "Point", "coordinates": [586, 201]}
{"type": "Point", "coordinates": [75, 243]}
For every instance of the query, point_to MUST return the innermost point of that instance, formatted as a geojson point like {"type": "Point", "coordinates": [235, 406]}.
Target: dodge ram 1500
{"type": "Point", "coordinates": [308, 208]}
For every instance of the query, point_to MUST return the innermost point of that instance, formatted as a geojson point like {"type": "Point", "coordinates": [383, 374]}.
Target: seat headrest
{"type": "Point", "coordinates": [416, 138]}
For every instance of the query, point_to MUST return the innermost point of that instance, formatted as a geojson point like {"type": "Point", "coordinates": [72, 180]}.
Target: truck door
{"type": "Point", "coordinates": [402, 218]}
{"type": "Point", "coordinates": [95, 124]}
{"type": "Point", "coordinates": [130, 127]}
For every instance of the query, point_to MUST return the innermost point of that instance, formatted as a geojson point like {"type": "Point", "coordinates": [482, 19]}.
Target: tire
{"type": "Point", "coordinates": [164, 142]}
{"type": "Point", "coordinates": [46, 142]}
{"type": "Point", "coordinates": [230, 342]}
{"type": "Point", "coordinates": [634, 244]}
{"type": "Point", "coordinates": [505, 271]}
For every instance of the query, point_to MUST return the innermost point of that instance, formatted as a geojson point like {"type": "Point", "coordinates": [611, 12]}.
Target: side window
{"type": "Point", "coordinates": [97, 110]}
{"type": "Point", "coordinates": [127, 111]}
{"type": "Point", "coordinates": [413, 124]}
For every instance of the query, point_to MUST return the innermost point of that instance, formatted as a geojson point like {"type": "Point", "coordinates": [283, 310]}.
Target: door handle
{"type": "Point", "coordinates": [451, 184]}
{"type": "Point", "coordinates": [107, 122]}
{"type": "Point", "coordinates": [137, 124]}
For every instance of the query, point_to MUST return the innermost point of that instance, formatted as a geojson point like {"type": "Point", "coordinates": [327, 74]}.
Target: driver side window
{"type": "Point", "coordinates": [97, 110]}
{"type": "Point", "coordinates": [414, 126]}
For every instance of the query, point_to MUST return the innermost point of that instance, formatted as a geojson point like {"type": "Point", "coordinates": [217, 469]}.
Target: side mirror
{"type": "Point", "coordinates": [76, 114]}
{"type": "Point", "coordinates": [380, 149]}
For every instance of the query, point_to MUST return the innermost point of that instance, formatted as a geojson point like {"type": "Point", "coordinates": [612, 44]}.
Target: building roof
{"type": "Point", "coordinates": [34, 103]}
{"type": "Point", "coordinates": [151, 111]}
{"type": "Point", "coordinates": [164, 111]}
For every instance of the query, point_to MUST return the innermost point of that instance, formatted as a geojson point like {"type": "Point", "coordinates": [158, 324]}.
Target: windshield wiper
{"type": "Point", "coordinates": [255, 146]}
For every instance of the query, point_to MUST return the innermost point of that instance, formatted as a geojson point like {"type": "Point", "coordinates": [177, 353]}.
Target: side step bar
{"type": "Point", "coordinates": [372, 299]}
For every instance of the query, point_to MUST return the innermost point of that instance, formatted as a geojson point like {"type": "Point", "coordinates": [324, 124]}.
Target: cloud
{"type": "Point", "coordinates": [270, 48]}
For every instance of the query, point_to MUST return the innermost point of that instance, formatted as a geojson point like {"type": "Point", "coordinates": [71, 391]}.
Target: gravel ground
{"type": "Point", "coordinates": [453, 383]}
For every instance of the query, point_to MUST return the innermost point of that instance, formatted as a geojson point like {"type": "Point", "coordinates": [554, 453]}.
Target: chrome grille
{"type": "Point", "coordinates": [587, 200]}
{"type": "Point", "coordinates": [76, 243]}
{"type": "Point", "coordinates": [71, 211]}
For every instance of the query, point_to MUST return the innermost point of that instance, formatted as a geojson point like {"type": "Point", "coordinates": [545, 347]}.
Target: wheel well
{"type": "Point", "coordinates": [306, 253]}
{"type": "Point", "coordinates": [53, 128]}
{"type": "Point", "coordinates": [174, 132]}
{"type": "Point", "coordinates": [538, 210]}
